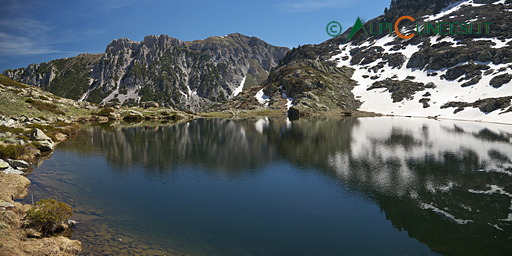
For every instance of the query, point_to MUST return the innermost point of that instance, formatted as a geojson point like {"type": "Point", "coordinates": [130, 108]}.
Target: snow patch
{"type": "Point", "coordinates": [451, 9]}
{"type": "Point", "coordinates": [497, 42]}
{"type": "Point", "coordinates": [239, 89]}
{"type": "Point", "coordinates": [289, 100]}
{"type": "Point", "coordinates": [262, 98]}
{"type": "Point", "coordinates": [444, 213]}
{"type": "Point", "coordinates": [494, 189]}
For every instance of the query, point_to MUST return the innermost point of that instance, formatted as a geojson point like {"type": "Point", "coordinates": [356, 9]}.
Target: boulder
{"type": "Point", "coordinates": [19, 164]}
{"type": "Point", "coordinates": [133, 115]}
{"type": "Point", "coordinates": [4, 164]}
{"type": "Point", "coordinates": [6, 205]}
{"type": "Point", "coordinates": [500, 80]}
{"type": "Point", "coordinates": [150, 104]}
{"type": "Point", "coordinates": [60, 136]}
{"type": "Point", "coordinates": [71, 223]}
{"type": "Point", "coordinates": [46, 145]}
{"type": "Point", "coordinates": [11, 170]}
{"type": "Point", "coordinates": [15, 142]}
{"type": "Point", "coordinates": [39, 135]}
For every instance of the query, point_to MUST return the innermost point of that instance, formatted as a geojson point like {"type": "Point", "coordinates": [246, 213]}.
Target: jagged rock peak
{"type": "Point", "coordinates": [120, 44]}
{"type": "Point", "coordinates": [406, 4]}
{"type": "Point", "coordinates": [152, 41]}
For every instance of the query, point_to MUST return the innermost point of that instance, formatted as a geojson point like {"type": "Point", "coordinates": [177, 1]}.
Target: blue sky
{"type": "Point", "coordinates": [39, 31]}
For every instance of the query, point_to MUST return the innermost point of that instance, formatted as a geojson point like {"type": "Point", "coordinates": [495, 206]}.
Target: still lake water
{"type": "Point", "coordinates": [320, 186]}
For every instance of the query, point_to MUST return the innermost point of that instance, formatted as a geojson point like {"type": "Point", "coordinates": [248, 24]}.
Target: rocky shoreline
{"type": "Point", "coordinates": [32, 123]}
{"type": "Point", "coordinates": [16, 235]}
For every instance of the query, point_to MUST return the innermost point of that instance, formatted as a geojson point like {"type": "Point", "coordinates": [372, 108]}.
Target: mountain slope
{"type": "Point", "coordinates": [457, 76]}
{"type": "Point", "coordinates": [185, 75]}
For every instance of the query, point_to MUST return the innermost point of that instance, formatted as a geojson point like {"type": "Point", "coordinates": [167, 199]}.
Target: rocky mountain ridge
{"type": "Point", "coordinates": [185, 75]}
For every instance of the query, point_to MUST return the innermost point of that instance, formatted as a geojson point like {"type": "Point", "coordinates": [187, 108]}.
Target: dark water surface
{"type": "Point", "coordinates": [367, 186]}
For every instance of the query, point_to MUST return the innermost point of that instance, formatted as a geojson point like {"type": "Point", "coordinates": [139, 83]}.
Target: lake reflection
{"type": "Point", "coordinates": [319, 186]}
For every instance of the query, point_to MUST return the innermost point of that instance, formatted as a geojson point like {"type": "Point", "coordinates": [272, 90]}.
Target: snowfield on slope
{"type": "Point", "coordinates": [380, 101]}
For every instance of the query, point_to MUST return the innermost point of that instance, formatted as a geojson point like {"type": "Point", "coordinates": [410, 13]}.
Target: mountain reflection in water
{"type": "Point", "coordinates": [446, 183]}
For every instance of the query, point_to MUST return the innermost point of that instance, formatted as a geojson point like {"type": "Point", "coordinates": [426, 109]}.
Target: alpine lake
{"type": "Point", "coordinates": [268, 186]}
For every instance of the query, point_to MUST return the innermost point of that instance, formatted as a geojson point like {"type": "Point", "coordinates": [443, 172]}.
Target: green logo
{"type": "Point", "coordinates": [357, 26]}
{"type": "Point", "coordinates": [333, 28]}
{"type": "Point", "coordinates": [423, 28]}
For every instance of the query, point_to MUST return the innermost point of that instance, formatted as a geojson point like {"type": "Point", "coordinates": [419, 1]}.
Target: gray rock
{"type": "Point", "coordinates": [500, 80]}
{"type": "Point", "coordinates": [16, 142]}
{"type": "Point", "coordinates": [19, 164]}
{"type": "Point", "coordinates": [4, 164]}
{"type": "Point", "coordinates": [133, 115]}
{"type": "Point", "coordinates": [25, 119]}
{"type": "Point", "coordinates": [46, 145]}
{"type": "Point", "coordinates": [39, 135]}
{"type": "Point", "coordinates": [6, 205]}
{"type": "Point", "coordinates": [150, 104]}
{"type": "Point", "coordinates": [12, 170]}
{"type": "Point", "coordinates": [71, 223]}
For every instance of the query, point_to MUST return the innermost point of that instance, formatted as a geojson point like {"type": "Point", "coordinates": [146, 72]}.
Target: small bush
{"type": "Point", "coordinates": [48, 214]}
{"type": "Point", "coordinates": [29, 100]}
{"type": "Point", "coordinates": [105, 112]}
{"type": "Point", "coordinates": [4, 129]}
{"type": "Point", "coordinates": [43, 106]}
{"type": "Point", "coordinates": [12, 151]}
{"type": "Point", "coordinates": [22, 137]}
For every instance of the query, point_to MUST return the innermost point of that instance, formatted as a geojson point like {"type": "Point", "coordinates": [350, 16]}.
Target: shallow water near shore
{"type": "Point", "coordinates": [319, 186]}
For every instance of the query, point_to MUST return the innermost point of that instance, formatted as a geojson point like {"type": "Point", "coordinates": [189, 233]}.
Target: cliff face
{"type": "Point", "coordinates": [185, 75]}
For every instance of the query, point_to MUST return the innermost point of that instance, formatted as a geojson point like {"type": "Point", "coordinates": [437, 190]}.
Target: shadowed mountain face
{"type": "Point", "coordinates": [448, 184]}
{"type": "Point", "coordinates": [186, 75]}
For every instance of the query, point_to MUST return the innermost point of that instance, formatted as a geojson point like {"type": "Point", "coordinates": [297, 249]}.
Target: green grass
{"type": "Point", "coordinates": [4, 129]}
{"type": "Point", "coordinates": [44, 106]}
{"type": "Point", "coordinates": [11, 83]}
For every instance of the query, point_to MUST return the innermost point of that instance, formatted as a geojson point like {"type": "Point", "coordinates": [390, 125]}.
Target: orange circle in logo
{"type": "Point", "coordinates": [398, 32]}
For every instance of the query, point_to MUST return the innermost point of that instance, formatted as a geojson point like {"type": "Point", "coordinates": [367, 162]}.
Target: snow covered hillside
{"type": "Point", "coordinates": [455, 76]}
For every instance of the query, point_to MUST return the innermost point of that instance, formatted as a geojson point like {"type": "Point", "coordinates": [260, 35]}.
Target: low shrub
{"type": "Point", "coordinates": [48, 214]}
{"type": "Point", "coordinates": [12, 151]}
{"type": "Point", "coordinates": [44, 106]}
{"type": "Point", "coordinates": [105, 112]}
{"type": "Point", "coordinates": [4, 129]}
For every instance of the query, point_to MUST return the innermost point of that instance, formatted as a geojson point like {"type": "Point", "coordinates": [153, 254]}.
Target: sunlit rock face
{"type": "Point", "coordinates": [186, 75]}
